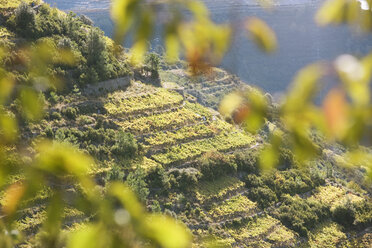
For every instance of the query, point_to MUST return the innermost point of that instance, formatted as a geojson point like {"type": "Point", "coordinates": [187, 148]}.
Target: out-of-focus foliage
{"type": "Point", "coordinates": [344, 114]}
{"type": "Point", "coordinates": [117, 216]}
{"type": "Point", "coordinates": [197, 38]}
{"type": "Point", "coordinates": [357, 13]}
{"type": "Point", "coordinates": [261, 34]}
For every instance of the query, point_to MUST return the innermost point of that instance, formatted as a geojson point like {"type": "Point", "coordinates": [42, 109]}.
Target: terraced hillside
{"type": "Point", "coordinates": [168, 143]}
{"type": "Point", "coordinates": [198, 168]}
{"type": "Point", "coordinates": [208, 89]}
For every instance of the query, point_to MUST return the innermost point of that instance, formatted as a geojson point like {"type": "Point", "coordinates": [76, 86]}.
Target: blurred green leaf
{"type": "Point", "coordinates": [269, 157]}
{"type": "Point", "coordinates": [122, 13]}
{"type": "Point", "coordinates": [8, 128]}
{"type": "Point", "coordinates": [6, 86]}
{"type": "Point", "coordinates": [62, 159]}
{"type": "Point", "coordinates": [230, 103]}
{"type": "Point", "coordinates": [128, 199]}
{"type": "Point", "coordinates": [258, 105]}
{"type": "Point", "coordinates": [167, 232]}
{"type": "Point", "coordinates": [32, 104]}
{"type": "Point", "coordinates": [344, 11]}
{"type": "Point", "coordinates": [91, 236]}
{"type": "Point", "coordinates": [355, 76]}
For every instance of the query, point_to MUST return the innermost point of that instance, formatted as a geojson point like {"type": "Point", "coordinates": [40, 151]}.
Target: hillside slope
{"type": "Point", "coordinates": [169, 144]}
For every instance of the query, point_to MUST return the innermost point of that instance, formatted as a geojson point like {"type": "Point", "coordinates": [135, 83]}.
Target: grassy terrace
{"type": "Point", "coordinates": [184, 116]}
{"type": "Point", "coordinates": [334, 196]}
{"type": "Point", "coordinates": [218, 188]}
{"type": "Point", "coordinates": [187, 133]}
{"type": "Point", "coordinates": [222, 142]}
{"type": "Point", "coordinates": [147, 164]}
{"type": "Point", "coordinates": [328, 235]}
{"type": "Point", "coordinates": [160, 99]}
{"type": "Point", "coordinates": [236, 204]}
{"type": "Point", "coordinates": [263, 231]}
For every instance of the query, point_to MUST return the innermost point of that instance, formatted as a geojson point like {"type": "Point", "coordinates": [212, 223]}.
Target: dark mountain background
{"type": "Point", "coordinates": [301, 41]}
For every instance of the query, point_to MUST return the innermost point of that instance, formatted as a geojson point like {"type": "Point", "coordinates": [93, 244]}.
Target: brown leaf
{"type": "Point", "coordinates": [241, 114]}
{"type": "Point", "coordinates": [12, 197]}
{"type": "Point", "coordinates": [335, 111]}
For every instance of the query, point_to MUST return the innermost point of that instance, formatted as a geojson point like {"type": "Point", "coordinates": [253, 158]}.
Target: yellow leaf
{"type": "Point", "coordinates": [230, 103]}
{"type": "Point", "coordinates": [261, 34]}
{"type": "Point", "coordinates": [330, 12]}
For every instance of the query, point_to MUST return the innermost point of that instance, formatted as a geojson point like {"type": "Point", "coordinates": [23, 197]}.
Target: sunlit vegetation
{"type": "Point", "coordinates": [333, 195]}
{"type": "Point", "coordinates": [148, 164]}
{"type": "Point", "coordinates": [301, 215]}
{"type": "Point", "coordinates": [188, 133]}
{"type": "Point", "coordinates": [14, 3]}
{"type": "Point", "coordinates": [161, 99]}
{"type": "Point", "coordinates": [208, 89]}
{"type": "Point", "coordinates": [164, 121]}
{"type": "Point", "coordinates": [327, 235]}
{"type": "Point", "coordinates": [98, 170]}
{"type": "Point", "coordinates": [191, 150]}
{"type": "Point", "coordinates": [218, 188]}
{"type": "Point", "coordinates": [263, 228]}
{"type": "Point", "coordinates": [236, 205]}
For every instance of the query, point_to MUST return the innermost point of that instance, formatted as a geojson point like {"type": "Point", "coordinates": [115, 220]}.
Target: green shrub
{"type": "Point", "coordinates": [253, 181]}
{"type": "Point", "coordinates": [136, 181]}
{"type": "Point", "coordinates": [71, 135]}
{"type": "Point", "coordinates": [53, 97]}
{"type": "Point", "coordinates": [84, 120]}
{"type": "Point", "coordinates": [157, 178]}
{"type": "Point", "coordinates": [49, 132]}
{"type": "Point", "coordinates": [293, 181]}
{"type": "Point", "coordinates": [55, 116]}
{"type": "Point", "coordinates": [125, 146]}
{"type": "Point", "coordinates": [286, 159]}
{"type": "Point", "coordinates": [155, 207]}
{"type": "Point", "coordinates": [49, 22]}
{"type": "Point", "coordinates": [115, 174]}
{"type": "Point", "coordinates": [184, 179]}
{"type": "Point", "coordinates": [344, 214]}
{"type": "Point", "coordinates": [247, 161]}
{"type": "Point", "coordinates": [70, 113]}
{"type": "Point", "coordinates": [214, 164]}
{"type": "Point", "coordinates": [363, 210]}
{"type": "Point", "coordinates": [25, 20]}
{"type": "Point", "coordinates": [264, 196]}
{"type": "Point", "coordinates": [96, 136]}
{"type": "Point", "coordinates": [301, 215]}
